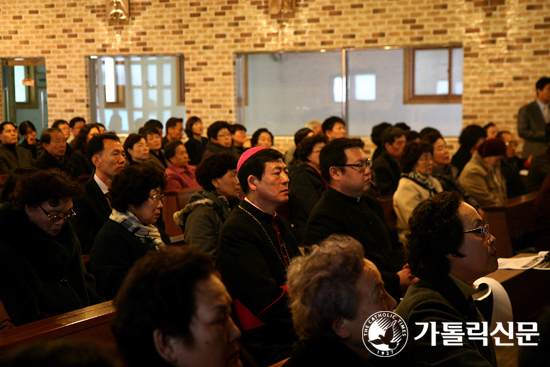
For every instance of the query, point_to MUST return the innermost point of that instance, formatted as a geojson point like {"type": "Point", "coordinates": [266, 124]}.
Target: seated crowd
{"type": "Point", "coordinates": [284, 256]}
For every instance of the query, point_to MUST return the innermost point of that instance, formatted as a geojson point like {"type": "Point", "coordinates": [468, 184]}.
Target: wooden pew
{"type": "Point", "coordinates": [174, 201]}
{"type": "Point", "coordinates": [510, 221]}
{"type": "Point", "coordinates": [527, 290]}
{"type": "Point", "coordinates": [389, 213]}
{"type": "Point", "coordinates": [89, 322]}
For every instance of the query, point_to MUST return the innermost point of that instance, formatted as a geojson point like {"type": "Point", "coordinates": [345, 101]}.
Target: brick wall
{"type": "Point", "coordinates": [506, 43]}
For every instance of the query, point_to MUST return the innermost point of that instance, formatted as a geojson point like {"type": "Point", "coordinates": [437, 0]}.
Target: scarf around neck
{"type": "Point", "coordinates": [132, 224]}
{"type": "Point", "coordinates": [420, 179]}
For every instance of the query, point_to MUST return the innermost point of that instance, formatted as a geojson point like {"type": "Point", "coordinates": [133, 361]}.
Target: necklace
{"type": "Point", "coordinates": [283, 247]}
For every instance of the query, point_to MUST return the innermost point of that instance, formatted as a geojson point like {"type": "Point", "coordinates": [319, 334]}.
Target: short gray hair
{"type": "Point", "coordinates": [322, 285]}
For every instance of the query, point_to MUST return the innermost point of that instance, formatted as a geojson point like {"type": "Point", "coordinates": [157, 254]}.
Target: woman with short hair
{"type": "Point", "coordinates": [41, 270]}
{"type": "Point", "coordinates": [136, 198]}
{"type": "Point", "coordinates": [415, 185]}
{"type": "Point", "coordinates": [333, 290]}
{"type": "Point", "coordinates": [156, 153]}
{"type": "Point", "coordinates": [179, 174]}
{"type": "Point", "coordinates": [173, 310]}
{"type": "Point", "coordinates": [136, 149]}
{"type": "Point", "coordinates": [443, 170]}
{"type": "Point", "coordinates": [202, 218]}
{"type": "Point", "coordinates": [262, 138]}
{"type": "Point", "coordinates": [196, 144]}
{"type": "Point", "coordinates": [449, 248]}
{"type": "Point", "coordinates": [482, 178]}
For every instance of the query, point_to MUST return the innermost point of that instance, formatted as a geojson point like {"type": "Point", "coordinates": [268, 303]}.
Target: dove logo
{"type": "Point", "coordinates": [385, 334]}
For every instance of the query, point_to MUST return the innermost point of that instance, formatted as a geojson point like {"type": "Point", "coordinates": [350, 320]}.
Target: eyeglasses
{"type": "Point", "coordinates": [426, 159]}
{"type": "Point", "coordinates": [512, 143]}
{"type": "Point", "coordinates": [360, 167]}
{"type": "Point", "coordinates": [483, 229]}
{"type": "Point", "coordinates": [54, 218]}
{"type": "Point", "coordinates": [158, 198]}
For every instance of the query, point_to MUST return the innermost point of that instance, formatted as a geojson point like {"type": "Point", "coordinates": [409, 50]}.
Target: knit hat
{"type": "Point", "coordinates": [247, 154]}
{"type": "Point", "coordinates": [492, 147]}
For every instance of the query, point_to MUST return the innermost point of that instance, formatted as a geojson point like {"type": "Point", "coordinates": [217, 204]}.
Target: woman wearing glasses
{"type": "Point", "coordinates": [415, 185]}
{"type": "Point", "coordinates": [130, 232]}
{"type": "Point", "coordinates": [41, 271]}
{"type": "Point", "coordinates": [449, 248]}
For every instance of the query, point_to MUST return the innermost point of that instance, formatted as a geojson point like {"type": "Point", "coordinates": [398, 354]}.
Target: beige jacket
{"type": "Point", "coordinates": [407, 196]}
{"type": "Point", "coordinates": [483, 182]}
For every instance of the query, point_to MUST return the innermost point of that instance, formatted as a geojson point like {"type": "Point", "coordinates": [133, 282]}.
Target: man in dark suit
{"type": "Point", "coordinates": [344, 208]}
{"type": "Point", "coordinates": [174, 130]}
{"type": "Point", "coordinates": [533, 119]}
{"type": "Point", "coordinates": [12, 156]}
{"type": "Point", "coordinates": [66, 130]}
{"type": "Point", "coordinates": [55, 146]}
{"type": "Point", "coordinates": [386, 166]}
{"type": "Point", "coordinates": [93, 209]}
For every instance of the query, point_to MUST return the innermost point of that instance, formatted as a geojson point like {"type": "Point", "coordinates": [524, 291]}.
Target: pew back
{"type": "Point", "coordinates": [174, 201]}
{"type": "Point", "coordinates": [511, 221]}
{"type": "Point", "coordinates": [89, 322]}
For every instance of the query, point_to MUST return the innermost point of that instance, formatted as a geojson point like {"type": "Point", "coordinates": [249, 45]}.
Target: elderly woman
{"type": "Point", "coordinates": [333, 291]}
{"type": "Point", "coordinates": [481, 177]}
{"type": "Point", "coordinates": [196, 145]}
{"type": "Point", "coordinates": [136, 199]}
{"type": "Point", "coordinates": [443, 170]}
{"type": "Point", "coordinates": [41, 271]}
{"type": "Point", "coordinates": [202, 218]}
{"type": "Point", "coordinates": [449, 248]}
{"type": "Point", "coordinates": [82, 165]}
{"type": "Point", "coordinates": [262, 138]}
{"type": "Point", "coordinates": [179, 174]}
{"type": "Point", "coordinates": [186, 319]}
{"type": "Point", "coordinates": [306, 183]}
{"type": "Point", "coordinates": [415, 185]}
{"type": "Point", "coordinates": [136, 149]}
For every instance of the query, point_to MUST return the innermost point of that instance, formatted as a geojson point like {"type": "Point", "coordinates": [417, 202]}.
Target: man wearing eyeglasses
{"type": "Point", "coordinates": [41, 270]}
{"type": "Point", "coordinates": [107, 155]}
{"type": "Point", "coordinates": [345, 209]}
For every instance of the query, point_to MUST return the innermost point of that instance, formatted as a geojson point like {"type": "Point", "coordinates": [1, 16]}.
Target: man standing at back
{"type": "Point", "coordinates": [533, 119]}
{"type": "Point", "coordinates": [255, 249]}
{"type": "Point", "coordinates": [386, 166]}
{"type": "Point", "coordinates": [345, 209]}
{"type": "Point", "coordinates": [174, 130]}
{"type": "Point", "coordinates": [94, 209]}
